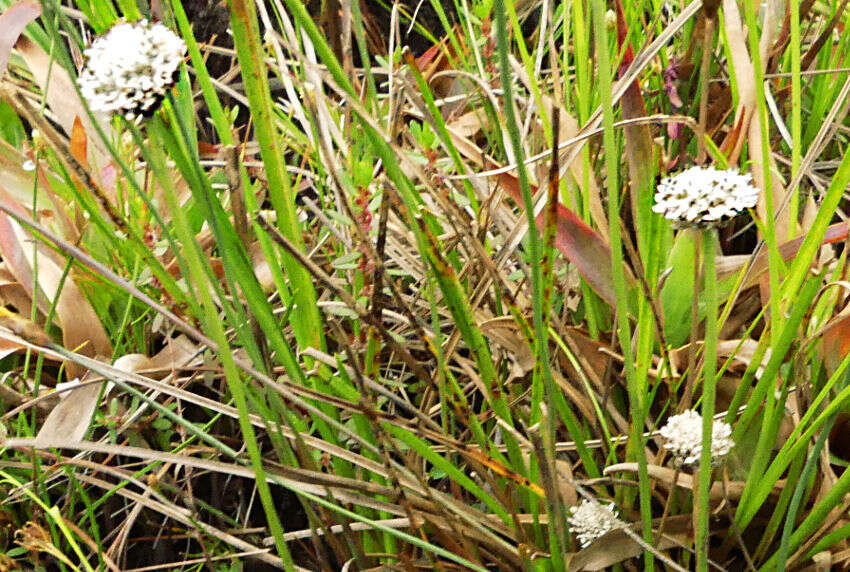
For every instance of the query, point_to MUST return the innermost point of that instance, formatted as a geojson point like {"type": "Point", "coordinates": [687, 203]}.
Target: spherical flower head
{"type": "Point", "coordinates": [683, 435]}
{"type": "Point", "coordinates": [130, 68]}
{"type": "Point", "coordinates": [703, 197]}
{"type": "Point", "coordinates": [590, 520]}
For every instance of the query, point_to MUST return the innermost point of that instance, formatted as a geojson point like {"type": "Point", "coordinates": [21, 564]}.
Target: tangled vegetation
{"type": "Point", "coordinates": [452, 285]}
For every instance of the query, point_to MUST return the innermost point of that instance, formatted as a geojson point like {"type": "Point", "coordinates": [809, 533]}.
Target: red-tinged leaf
{"type": "Point", "coordinates": [622, 34]}
{"type": "Point", "coordinates": [208, 150]}
{"type": "Point", "coordinates": [639, 145]}
{"type": "Point", "coordinates": [426, 59]}
{"type": "Point", "coordinates": [12, 24]}
{"type": "Point", "coordinates": [582, 245]}
{"type": "Point", "coordinates": [586, 249]}
{"type": "Point", "coordinates": [79, 143]}
{"type": "Point", "coordinates": [437, 59]}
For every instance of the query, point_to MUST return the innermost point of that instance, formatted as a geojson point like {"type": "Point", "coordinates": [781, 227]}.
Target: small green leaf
{"type": "Point", "coordinates": [347, 261]}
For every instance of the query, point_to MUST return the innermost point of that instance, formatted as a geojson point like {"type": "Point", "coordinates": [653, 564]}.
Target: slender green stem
{"type": "Point", "coordinates": [799, 491]}
{"type": "Point", "coordinates": [637, 391]}
{"type": "Point", "coordinates": [306, 323]}
{"type": "Point", "coordinates": [543, 374]}
{"type": "Point", "coordinates": [709, 384]}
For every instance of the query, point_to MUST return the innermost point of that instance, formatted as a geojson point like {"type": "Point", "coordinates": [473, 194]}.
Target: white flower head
{"type": "Point", "coordinates": [683, 435]}
{"type": "Point", "coordinates": [130, 68]}
{"type": "Point", "coordinates": [590, 520]}
{"type": "Point", "coordinates": [704, 196]}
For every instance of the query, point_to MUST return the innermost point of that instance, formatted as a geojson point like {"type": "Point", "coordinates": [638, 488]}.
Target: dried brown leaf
{"type": "Point", "coordinates": [81, 328]}
{"type": "Point", "coordinates": [730, 265]}
{"type": "Point", "coordinates": [70, 418]}
{"type": "Point", "coordinates": [617, 546]}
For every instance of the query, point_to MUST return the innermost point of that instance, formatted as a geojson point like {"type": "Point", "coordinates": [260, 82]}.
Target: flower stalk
{"type": "Point", "coordinates": [703, 198]}
{"type": "Point", "coordinates": [709, 386]}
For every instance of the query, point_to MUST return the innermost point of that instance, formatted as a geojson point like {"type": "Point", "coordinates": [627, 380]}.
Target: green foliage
{"type": "Point", "coordinates": [335, 338]}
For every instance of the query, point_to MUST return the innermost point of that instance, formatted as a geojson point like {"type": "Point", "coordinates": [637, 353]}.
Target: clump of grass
{"type": "Point", "coordinates": [346, 305]}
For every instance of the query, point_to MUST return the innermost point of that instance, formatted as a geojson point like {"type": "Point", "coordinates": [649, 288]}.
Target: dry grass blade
{"type": "Point", "coordinates": [13, 21]}
{"type": "Point", "coordinates": [747, 120]}
{"type": "Point", "coordinates": [402, 418]}
{"type": "Point", "coordinates": [315, 483]}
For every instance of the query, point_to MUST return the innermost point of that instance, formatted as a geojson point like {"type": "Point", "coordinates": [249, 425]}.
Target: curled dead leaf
{"type": "Point", "coordinates": [71, 416]}
{"type": "Point", "coordinates": [13, 20]}
{"type": "Point", "coordinates": [261, 267]}
{"type": "Point", "coordinates": [34, 537]}
{"type": "Point", "coordinates": [747, 123]}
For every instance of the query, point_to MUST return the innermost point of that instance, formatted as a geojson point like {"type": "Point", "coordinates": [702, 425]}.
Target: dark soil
{"type": "Point", "coordinates": [211, 18]}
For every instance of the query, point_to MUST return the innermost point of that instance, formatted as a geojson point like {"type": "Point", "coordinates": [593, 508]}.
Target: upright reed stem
{"type": "Point", "coordinates": [709, 385]}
